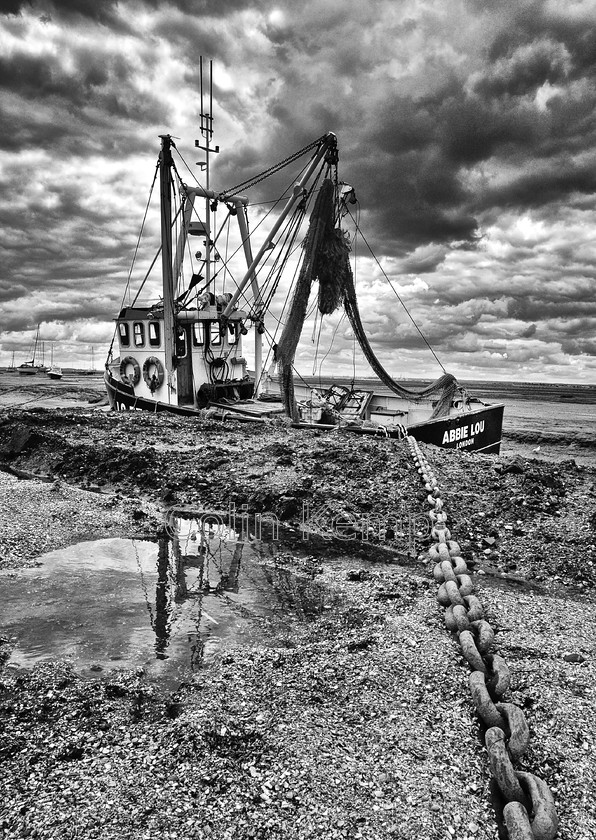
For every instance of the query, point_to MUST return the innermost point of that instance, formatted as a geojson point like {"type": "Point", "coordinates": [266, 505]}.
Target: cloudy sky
{"type": "Point", "coordinates": [467, 127]}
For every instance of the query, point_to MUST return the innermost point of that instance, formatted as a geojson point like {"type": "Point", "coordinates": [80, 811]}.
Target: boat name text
{"type": "Point", "coordinates": [463, 435]}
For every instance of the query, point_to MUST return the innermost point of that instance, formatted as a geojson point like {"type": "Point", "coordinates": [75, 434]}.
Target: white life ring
{"type": "Point", "coordinates": [135, 377]}
{"type": "Point", "coordinates": [153, 380]}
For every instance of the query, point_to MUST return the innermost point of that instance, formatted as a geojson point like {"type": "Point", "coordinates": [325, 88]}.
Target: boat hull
{"type": "Point", "coordinates": [478, 430]}
{"type": "Point", "coordinates": [123, 398]}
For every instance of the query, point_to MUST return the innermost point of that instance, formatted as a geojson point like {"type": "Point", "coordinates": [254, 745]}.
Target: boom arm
{"type": "Point", "coordinates": [328, 141]}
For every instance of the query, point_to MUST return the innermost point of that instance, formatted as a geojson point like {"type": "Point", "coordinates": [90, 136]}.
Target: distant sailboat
{"type": "Point", "coordinates": [54, 372]}
{"type": "Point", "coordinates": [91, 372]}
{"type": "Point", "coordinates": [30, 368]}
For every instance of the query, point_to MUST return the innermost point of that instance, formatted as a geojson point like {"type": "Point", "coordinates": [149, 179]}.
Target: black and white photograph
{"type": "Point", "coordinates": [297, 420]}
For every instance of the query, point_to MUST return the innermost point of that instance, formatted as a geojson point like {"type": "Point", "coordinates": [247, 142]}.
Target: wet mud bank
{"type": "Point", "coordinates": [341, 723]}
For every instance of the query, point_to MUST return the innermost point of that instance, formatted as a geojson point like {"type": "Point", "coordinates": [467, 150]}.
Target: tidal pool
{"type": "Point", "coordinates": [168, 607]}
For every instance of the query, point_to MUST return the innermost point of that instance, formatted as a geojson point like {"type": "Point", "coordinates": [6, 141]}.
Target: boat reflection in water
{"type": "Point", "coordinates": [169, 608]}
{"type": "Point", "coordinates": [199, 557]}
{"type": "Point", "coordinates": [218, 585]}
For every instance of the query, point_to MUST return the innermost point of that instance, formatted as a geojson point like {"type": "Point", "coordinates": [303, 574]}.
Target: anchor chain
{"type": "Point", "coordinates": [529, 812]}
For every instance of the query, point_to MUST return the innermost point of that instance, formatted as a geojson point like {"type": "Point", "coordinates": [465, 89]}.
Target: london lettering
{"type": "Point", "coordinates": [463, 435]}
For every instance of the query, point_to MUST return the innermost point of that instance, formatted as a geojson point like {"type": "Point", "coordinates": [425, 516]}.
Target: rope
{"type": "Point", "coordinates": [382, 270]}
{"type": "Point", "coordinates": [446, 385]}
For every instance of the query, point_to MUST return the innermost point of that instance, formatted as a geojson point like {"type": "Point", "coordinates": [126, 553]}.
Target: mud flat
{"type": "Point", "coordinates": [353, 720]}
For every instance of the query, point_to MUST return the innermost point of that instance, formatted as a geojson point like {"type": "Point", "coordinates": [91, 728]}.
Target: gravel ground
{"type": "Point", "coordinates": [354, 722]}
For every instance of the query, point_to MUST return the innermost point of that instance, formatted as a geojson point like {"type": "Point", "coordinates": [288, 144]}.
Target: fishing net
{"type": "Point", "coordinates": [445, 386]}
{"type": "Point", "coordinates": [286, 348]}
{"type": "Point", "coordinates": [330, 270]}
{"type": "Point", "coordinates": [326, 258]}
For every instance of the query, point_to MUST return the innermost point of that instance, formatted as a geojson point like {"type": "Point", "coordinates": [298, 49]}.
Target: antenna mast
{"type": "Point", "coordinates": [206, 128]}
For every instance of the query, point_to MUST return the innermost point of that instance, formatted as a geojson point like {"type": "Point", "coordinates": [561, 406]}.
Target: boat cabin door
{"type": "Point", "coordinates": [183, 354]}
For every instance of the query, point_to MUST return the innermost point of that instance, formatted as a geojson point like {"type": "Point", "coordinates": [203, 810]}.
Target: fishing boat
{"type": "Point", "coordinates": [184, 352]}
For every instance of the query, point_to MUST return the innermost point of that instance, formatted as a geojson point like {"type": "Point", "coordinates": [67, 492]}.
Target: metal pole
{"type": "Point", "coordinates": [165, 160]}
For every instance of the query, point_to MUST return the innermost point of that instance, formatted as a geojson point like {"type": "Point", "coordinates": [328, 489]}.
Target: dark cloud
{"type": "Point", "coordinates": [423, 260]}
{"type": "Point", "coordinates": [10, 291]}
{"type": "Point", "coordinates": [414, 182]}
{"type": "Point", "coordinates": [91, 79]}
{"type": "Point", "coordinates": [579, 347]}
{"type": "Point", "coordinates": [83, 308]}
{"type": "Point", "coordinates": [482, 124]}
{"type": "Point", "coordinates": [529, 332]}
{"type": "Point", "coordinates": [104, 12]}
{"type": "Point", "coordinates": [114, 12]}
{"type": "Point", "coordinates": [46, 102]}
{"type": "Point", "coordinates": [524, 70]}
{"type": "Point", "coordinates": [533, 309]}
{"type": "Point", "coordinates": [546, 185]}
{"type": "Point", "coordinates": [469, 130]}
{"type": "Point", "coordinates": [534, 21]}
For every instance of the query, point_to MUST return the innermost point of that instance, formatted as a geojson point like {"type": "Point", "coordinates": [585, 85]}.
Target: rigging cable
{"type": "Point", "coordinates": [134, 257]}
{"type": "Point", "coordinates": [252, 182]}
{"type": "Point", "coordinates": [396, 294]}
{"type": "Point", "coordinates": [354, 273]}
{"type": "Point", "coordinates": [335, 331]}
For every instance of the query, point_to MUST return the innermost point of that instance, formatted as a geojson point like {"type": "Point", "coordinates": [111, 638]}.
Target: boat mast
{"type": "Point", "coordinates": [35, 345]}
{"type": "Point", "coordinates": [206, 129]}
{"type": "Point", "coordinates": [165, 165]}
{"type": "Point", "coordinates": [239, 203]}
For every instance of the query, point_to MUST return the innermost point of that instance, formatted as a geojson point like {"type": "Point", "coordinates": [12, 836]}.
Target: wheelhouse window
{"type": "Point", "coordinates": [124, 333]}
{"type": "Point", "coordinates": [214, 334]}
{"type": "Point", "coordinates": [139, 334]}
{"type": "Point", "coordinates": [198, 334]}
{"type": "Point", "coordinates": [181, 344]}
{"type": "Point", "coordinates": [153, 329]}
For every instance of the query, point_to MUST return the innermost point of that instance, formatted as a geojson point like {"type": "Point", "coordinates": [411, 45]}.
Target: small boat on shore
{"type": "Point", "coordinates": [53, 372]}
{"type": "Point", "coordinates": [31, 368]}
{"type": "Point", "coordinates": [183, 353]}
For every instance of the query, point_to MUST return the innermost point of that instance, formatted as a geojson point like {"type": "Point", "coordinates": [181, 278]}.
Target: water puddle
{"type": "Point", "coordinates": [168, 607]}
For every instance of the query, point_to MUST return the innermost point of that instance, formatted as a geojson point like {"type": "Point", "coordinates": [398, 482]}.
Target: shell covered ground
{"type": "Point", "coordinates": [352, 720]}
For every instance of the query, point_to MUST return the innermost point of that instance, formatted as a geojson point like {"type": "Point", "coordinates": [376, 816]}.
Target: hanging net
{"type": "Point", "coordinates": [445, 386]}
{"type": "Point", "coordinates": [319, 232]}
{"type": "Point", "coordinates": [326, 259]}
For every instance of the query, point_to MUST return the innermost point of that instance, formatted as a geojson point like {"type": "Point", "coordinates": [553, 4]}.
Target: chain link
{"type": "Point", "coordinates": [529, 812]}
{"type": "Point", "coordinates": [272, 169]}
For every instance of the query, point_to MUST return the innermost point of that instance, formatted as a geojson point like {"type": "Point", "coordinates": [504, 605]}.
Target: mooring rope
{"type": "Point", "coordinates": [529, 812]}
